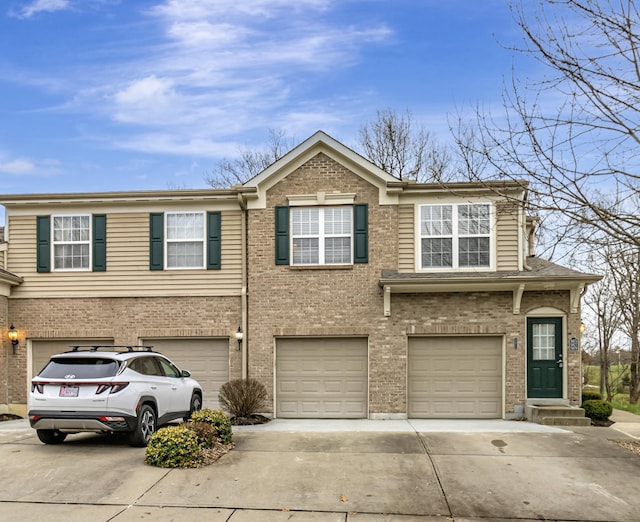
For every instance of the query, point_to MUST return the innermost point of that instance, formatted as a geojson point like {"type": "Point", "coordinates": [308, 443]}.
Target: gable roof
{"type": "Point", "coordinates": [255, 189]}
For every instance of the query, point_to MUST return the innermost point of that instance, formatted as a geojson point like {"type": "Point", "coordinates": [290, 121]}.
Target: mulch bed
{"type": "Point", "coordinates": [9, 417]}
{"type": "Point", "coordinates": [249, 421]}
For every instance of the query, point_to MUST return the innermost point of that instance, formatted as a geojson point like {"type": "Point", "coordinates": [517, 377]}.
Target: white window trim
{"type": "Point", "coordinates": [190, 240]}
{"type": "Point", "coordinates": [321, 237]}
{"type": "Point", "coordinates": [455, 237]}
{"type": "Point", "coordinates": [54, 243]}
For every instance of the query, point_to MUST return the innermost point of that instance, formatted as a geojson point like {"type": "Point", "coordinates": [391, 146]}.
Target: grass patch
{"type": "Point", "coordinates": [621, 402]}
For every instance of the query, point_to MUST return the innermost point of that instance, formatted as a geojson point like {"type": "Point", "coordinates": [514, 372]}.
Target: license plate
{"type": "Point", "coordinates": [69, 391]}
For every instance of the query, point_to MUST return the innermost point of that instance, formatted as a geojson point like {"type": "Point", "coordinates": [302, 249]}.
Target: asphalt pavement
{"type": "Point", "coordinates": [326, 471]}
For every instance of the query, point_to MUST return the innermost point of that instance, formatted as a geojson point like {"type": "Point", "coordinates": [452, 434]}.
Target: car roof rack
{"type": "Point", "coordinates": [112, 347]}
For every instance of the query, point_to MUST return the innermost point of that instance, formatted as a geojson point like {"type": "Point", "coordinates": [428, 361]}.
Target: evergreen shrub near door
{"type": "Point", "coordinates": [597, 410]}
{"type": "Point", "coordinates": [588, 395]}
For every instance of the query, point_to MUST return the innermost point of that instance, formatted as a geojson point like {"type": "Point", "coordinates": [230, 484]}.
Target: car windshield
{"type": "Point", "coordinates": [79, 368]}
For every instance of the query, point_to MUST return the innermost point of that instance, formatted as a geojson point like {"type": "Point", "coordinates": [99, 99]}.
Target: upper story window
{"type": "Point", "coordinates": [185, 240]}
{"type": "Point", "coordinates": [456, 236]}
{"type": "Point", "coordinates": [185, 236]}
{"type": "Point", "coordinates": [322, 235]}
{"type": "Point", "coordinates": [71, 242]}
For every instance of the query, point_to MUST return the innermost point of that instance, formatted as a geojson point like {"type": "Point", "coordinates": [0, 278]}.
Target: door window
{"type": "Point", "coordinates": [543, 342]}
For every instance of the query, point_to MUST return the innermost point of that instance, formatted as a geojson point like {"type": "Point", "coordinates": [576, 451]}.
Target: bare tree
{"type": "Point", "coordinates": [575, 133]}
{"type": "Point", "coordinates": [624, 266]}
{"type": "Point", "coordinates": [403, 148]}
{"type": "Point", "coordinates": [601, 302]}
{"type": "Point", "coordinates": [250, 162]}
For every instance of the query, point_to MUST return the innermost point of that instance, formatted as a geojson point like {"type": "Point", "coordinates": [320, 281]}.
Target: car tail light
{"type": "Point", "coordinates": [37, 386]}
{"type": "Point", "coordinates": [113, 387]}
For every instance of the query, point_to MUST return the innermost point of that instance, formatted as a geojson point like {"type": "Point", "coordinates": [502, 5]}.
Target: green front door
{"type": "Point", "coordinates": [544, 358]}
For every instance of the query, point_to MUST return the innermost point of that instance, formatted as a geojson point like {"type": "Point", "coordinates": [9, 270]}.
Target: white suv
{"type": "Point", "coordinates": [110, 389]}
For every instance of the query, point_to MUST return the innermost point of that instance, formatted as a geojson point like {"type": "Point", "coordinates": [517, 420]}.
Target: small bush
{"type": "Point", "coordinates": [206, 432]}
{"type": "Point", "coordinates": [174, 447]}
{"type": "Point", "coordinates": [588, 395]}
{"type": "Point", "coordinates": [243, 397]}
{"type": "Point", "coordinates": [597, 410]}
{"type": "Point", "coordinates": [219, 419]}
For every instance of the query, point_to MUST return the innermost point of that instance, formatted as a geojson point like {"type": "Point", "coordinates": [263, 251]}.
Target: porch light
{"type": "Point", "coordinates": [582, 328]}
{"type": "Point", "coordinates": [239, 336]}
{"type": "Point", "coordinates": [13, 337]}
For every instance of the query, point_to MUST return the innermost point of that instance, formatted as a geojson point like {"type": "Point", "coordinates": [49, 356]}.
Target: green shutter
{"type": "Point", "coordinates": [282, 235]}
{"type": "Point", "coordinates": [99, 242]}
{"type": "Point", "coordinates": [156, 241]}
{"type": "Point", "coordinates": [361, 233]}
{"type": "Point", "coordinates": [214, 240]}
{"type": "Point", "coordinates": [43, 243]}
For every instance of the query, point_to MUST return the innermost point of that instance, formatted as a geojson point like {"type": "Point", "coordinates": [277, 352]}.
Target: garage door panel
{"type": "Point", "coordinates": [329, 380]}
{"type": "Point", "coordinates": [453, 377]}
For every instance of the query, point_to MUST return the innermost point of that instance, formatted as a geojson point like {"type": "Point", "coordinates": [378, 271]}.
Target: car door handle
{"type": "Point", "coordinates": [154, 387]}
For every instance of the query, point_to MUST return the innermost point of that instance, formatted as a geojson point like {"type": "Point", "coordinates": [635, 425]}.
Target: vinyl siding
{"type": "Point", "coordinates": [406, 238]}
{"type": "Point", "coordinates": [127, 273]}
{"type": "Point", "coordinates": [507, 236]}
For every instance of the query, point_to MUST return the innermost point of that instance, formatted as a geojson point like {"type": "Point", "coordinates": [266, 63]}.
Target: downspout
{"type": "Point", "coordinates": [243, 296]}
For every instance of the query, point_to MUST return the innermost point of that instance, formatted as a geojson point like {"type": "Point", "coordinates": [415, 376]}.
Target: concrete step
{"type": "Point", "coordinates": [557, 415]}
{"type": "Point", "coordinates": [565, 421]}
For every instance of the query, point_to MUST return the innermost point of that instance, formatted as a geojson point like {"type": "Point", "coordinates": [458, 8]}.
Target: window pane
{"type": "Point", "coordinates": [337, 221]}
{"type": "Point", "coordinates": [187, 254]}
{"type": "Point", "coordinates": [473, 219]}
{"type": "Point", "coordinates": [436, 220]}
{"type": "Point", "coordinates": [436, 253]}
{"type": "Point", "coordinates": [473, 251]}
{"type": "Point", "coordinates": [305, 222]}
{"type": "Point", "coordinates": [337, 250]}
{"type": "Point", "coordinates": [544, 342]}
{"type": "Point", "coordinates": [71, 228]}
{"type": "Point", "coordinates": [306, 251]}
{"type": "Point", "coordinates": [185, 226]}
{"type": "Point", "coordinates": [71, 256]}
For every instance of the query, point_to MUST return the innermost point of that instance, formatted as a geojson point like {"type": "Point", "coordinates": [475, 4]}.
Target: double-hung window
{"type": "Point", "coordinates": [456, 236]}
{"type": "Point", "coordinates": [72, 242]}
{"type": "Point", "coordinates": [185, 236]}
{"type": "Point", "coordinates": [322, 235]}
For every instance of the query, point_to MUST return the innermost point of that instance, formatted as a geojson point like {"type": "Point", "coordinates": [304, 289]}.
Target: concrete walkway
{"type": "Point", "coordinates": [627, 423]}
{"type": "Point", "coordinates": [333, 471]}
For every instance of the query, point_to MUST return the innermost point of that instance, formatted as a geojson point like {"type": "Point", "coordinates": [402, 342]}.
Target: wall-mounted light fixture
{"type": "Point", "coordinates": [13, 337]}
{"type": "Point", "coordinates": [239, 336]}
{"type": "Point", "coordinates": [582, 328]}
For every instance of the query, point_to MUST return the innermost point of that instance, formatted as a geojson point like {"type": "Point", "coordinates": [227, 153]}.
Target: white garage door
{"type": "Point", "coordinates": [321, 378]}
{"type": "Point", "coordinates": [455, 377]}
{"type": "Point", "coordinates": [41, 351]}
{"type": "Point", "coordinates": [206, 359]}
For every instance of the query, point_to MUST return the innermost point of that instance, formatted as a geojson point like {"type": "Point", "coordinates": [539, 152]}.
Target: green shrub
{"type": "Point", "coordinates": [588, 395]}
{"type": "Point", "coordinates": [242, 397]}
{"type": "Point", "coordinates": [206, 432]}
{"type": "Point", "coordinates": [219, 419]}
{"type": "Point", "coordinates": [174, 447]}
{"type": "Point", "coordinates": [597, 410]}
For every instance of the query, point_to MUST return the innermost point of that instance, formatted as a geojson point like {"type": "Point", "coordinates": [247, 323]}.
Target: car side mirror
{"type": "Point", "coordinates": [186, 373]}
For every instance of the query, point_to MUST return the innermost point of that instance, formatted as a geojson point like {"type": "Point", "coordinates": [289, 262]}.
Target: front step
{"type": "Point", "coordinates": [557, 415]}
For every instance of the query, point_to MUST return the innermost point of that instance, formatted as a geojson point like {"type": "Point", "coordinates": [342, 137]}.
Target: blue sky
{"type": "Point", "coordinates": [102, 95]}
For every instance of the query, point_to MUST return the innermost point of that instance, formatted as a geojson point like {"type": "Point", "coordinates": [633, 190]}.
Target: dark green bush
{"type": "Point", "coordinates": [219, 419]}
{"type": "Point", "coordinates": [597, 410]}
{"type": "Point", "coordinates": [588, 395]}
{"type": "Point", "coordinates": [174, 447]}
{"type": "Point", "coordinates": [206, 432]}
{"type": "Point", "coordinates": [242, 397]}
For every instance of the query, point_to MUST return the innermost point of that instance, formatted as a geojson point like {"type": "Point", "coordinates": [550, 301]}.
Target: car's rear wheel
{"type": "Point", "coordinates": [145, 427]}
{"type": "Point", "coordinates": [51, 436]}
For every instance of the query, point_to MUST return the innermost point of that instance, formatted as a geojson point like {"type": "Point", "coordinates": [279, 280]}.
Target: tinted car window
{"type": "Point", "coordinates": [145, 366]}
{"type": "Point", "coordinates": [79, 368]}
{"type": "Point", "coordinates": [169, 369]}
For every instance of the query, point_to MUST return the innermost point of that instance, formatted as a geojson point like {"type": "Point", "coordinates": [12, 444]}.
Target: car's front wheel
{"type": "Point", "coordinates": [145, 427]}
{"type": "Point", "coordinates": [196, 405]}
{"type": "Point", "coordinates": [51, 436]}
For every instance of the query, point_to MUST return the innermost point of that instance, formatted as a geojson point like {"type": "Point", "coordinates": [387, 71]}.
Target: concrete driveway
{"type": "Point", "coordinates": [497, 472]}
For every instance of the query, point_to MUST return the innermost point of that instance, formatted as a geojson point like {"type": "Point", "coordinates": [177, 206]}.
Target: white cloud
{"type": "Point", "coordinates": [38, 6]}
{"type": "Point", "coordinates": [17, 167]}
